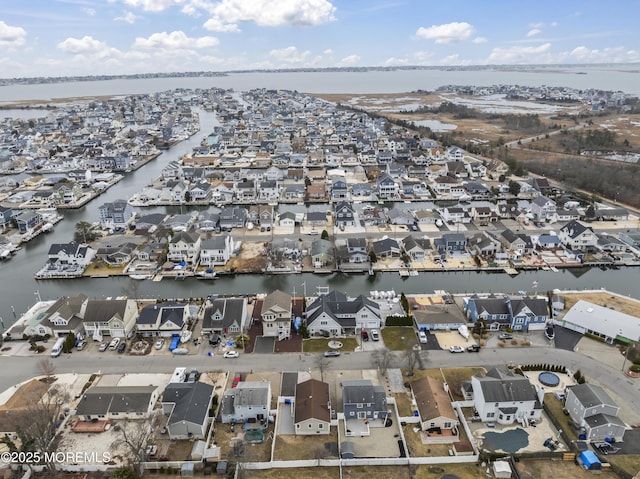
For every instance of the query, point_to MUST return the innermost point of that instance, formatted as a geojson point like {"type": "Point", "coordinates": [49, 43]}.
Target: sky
{"type": "Point", "coordinates": [115, 37]}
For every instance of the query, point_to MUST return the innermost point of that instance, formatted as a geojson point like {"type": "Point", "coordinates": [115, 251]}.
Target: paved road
{"type": "Point", "coordinates": [18, 369]}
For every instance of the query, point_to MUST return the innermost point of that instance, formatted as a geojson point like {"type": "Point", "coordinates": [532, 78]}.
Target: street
{"type": "Point", "coordinates": [18, 369]}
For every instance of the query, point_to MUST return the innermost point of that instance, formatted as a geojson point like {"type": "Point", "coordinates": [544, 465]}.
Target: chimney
{"type": "Point", "coordinates": [541, 395]}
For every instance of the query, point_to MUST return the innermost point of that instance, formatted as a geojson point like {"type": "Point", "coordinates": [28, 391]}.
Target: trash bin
{"type": "Point", "coordinates": [209, 353]}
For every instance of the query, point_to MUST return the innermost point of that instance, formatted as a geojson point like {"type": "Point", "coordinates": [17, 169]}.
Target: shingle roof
{"type": "Point", "coordinates": [312, 401]}
{"type": "Point", "coordinates": [191, 401]}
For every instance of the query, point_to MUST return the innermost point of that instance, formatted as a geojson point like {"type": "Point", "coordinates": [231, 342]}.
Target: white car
{"type": "Point", "coordinates": [456, 349]}
{"type": "Point", "coordinates": [375, 336]}
{"type": "Point", "coordinates": [422, 337]}
{"type": "Point", "coordinates": [231, 354]}
{"type": "Point", "coordinates": [113, 345]}
{"type": "Point", "coordinates": [159, 343]}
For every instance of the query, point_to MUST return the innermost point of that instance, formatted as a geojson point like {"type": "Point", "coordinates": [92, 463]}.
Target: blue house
{"type": "Point", "coordinates": [450, 242]}
{"type": "Point", "coordinates": [519, 314]}
{"type": "Point", "coordinates": [5, 215]}
{"type": "Point", "coordinates": [27, 220]}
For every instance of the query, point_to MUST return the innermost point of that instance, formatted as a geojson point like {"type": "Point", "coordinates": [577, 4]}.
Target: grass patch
{"type": "Point", "coordinates": [463, 471]}
{"type": "Point", "coordinates": [403, 403]}
{"type": "Point", "coordinates": [630, 463]}
{"type": "Point", "coordinates": [291, 448]}
{"type": "Point", "coordinates": [399, 338]}
{"type": "Point", "coordinates": [296, 472]}
{"type": "Point", "coordinates": [417, 449]}
{"type": "Point", "coordinates": [322, 344]}
{"type": "Point", "coordinates": [554, 408]}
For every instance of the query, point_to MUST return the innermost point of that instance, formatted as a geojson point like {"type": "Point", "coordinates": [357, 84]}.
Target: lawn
{"type": "Point", "coordinates": [399, 338]}
{"type": "Point", "coordinates": [630, 463]}
{"type": "Point", "coordinates": [554, 407]}
{"type": "Point", "coordinates": [456, 376]}
{"type": "Point", "coordinates": [418, 449]}
{"type": "Point", "coordinates": [291, 448]}
{"type": "Point", "coordinates": [322, 344]}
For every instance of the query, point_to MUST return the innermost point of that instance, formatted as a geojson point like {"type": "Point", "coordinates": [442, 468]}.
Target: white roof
{"type": "Point", "coordinates": [603, 320]}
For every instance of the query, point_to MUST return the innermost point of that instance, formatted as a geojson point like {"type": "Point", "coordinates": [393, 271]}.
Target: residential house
{"type": "Point", "coordinates": [543, 208]}
{"type": "Point", "coordinates": [438, 420]}
{"type": "Point", "coordinates": [519, 314]}
{"type": "Point", "coordinates": [356, 250]}
{"type": "Point", "coordinates": [72, 255]}
{"type": "Point", "coordinates": [216, 251]}
{"type": "Point", "coordinates": [246, 190]}
{"type": "Point", "coordinates": [149, 223]}
{"type": "Point", "coordinates": [364, 405]}
{"type": "Point", "coordinates": [248, 401]}
{"type": "Point", "coordinates": [317, 219]}
{"type": "Point", "coordinates": [450, 243]}
{"type": "Point", "coordinates": [505, 397]}
{"type": "Point", "coordinates": [184, 247]}
{"type": "Point", "coordinates": [610, 244]}
{"type": "Point", "coordinates": [117, 402]}
{"type": "Point", "coordinates": [455, 214]}
{"type": "Point", "coordinates": [117, 255]}
{"type": "Point", "coordinates": [322, 253]}
{"type": "Point", "coordinates": [387, 187]}
{"type": "Point", "coordinates": [162, 319]}
{"type": "Point", "coordinates": [312, 408]}
{"type": "Point", "coordinates": [334, 314]}
{"type": "Point", "coordinates": [339, 189]}
{"type": "Point", "coordinates": [225, 316]}
{"type": "Point", "coordinates": [344, 214]}
{"type": "Point", "coordinates": [287, 218]}
{"type": "Point", "coordinates": [109, 317]}
{"type": "Point", "coordinates": [401, 217]}
{"type": "Point", "coordinates": [606, 323]}
{"type": "Point", "coordinates": [208, 222]}
{"type": "Point", "coordinates": [5, 216]}
{"type": "Point", "coordinates": [64, 316]}
{"type": "Point", "coordinates": [386, 248]}
{"type": "Point", "coordinates": [261, 215]}
{"type": "Point", "coordinates": [178, 223]}
{"type": "Point", "coordinates": [484, 244]}
{"type": "Point", "coordinates": [592, 409]}
{"type": "Point", "coordinates": [316, 192]}
{"type": "Point", "coordinates": [548, 242]}
{"type": "Point", "coordinates": [187, 405]}
{"type": "Point", "coordinates": [276, 315]}
{"type": "Point", "coordinates": [269, 190]}
{"type": "Point", "coordinates": [28, 221]}
{"type": "Point", "coordinates": [576, 236]}
{"type": "Point", "coordinates": [201, 191]}
{"type": "Point", "coordinates": [361, 190]}
{"type": "Point", "coordinates": [116, 214]}
{"type": "Point", "coordinates": [65, 193]}
{"type": "Point", "coordinates": [413, 249]}
{"type": "Point", "coordinates": [541, 184]}
{"type": "Point", "coordinates": [516, 244]}
{"type": "Point", "coordinates": [438, 318]}
{"type": "Point", "coordinates": [233, 217]}
{"type": "Point", "coordinates": [483, 215]}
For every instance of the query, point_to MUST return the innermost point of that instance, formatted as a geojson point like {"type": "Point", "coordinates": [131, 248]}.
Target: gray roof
{"type": "Point", "coordinates": [591, 395]}
{"type": "Point", "coordinates": [120, 399]}
{"type": "Point", "coordinates": [341, 309]}
{"type": "Point", "coordinates": [169, 311]}
{"type": "Point", "coordinates": [503, 385]}
{"type": "Point", "coordinates": [250, 393]}
{"type": "Point", "coordinates": [603, 420]}
{"type": "Point", "coordinates": [362, 391]}
{"type": "Point", "coordinates": [229, 308]}
{"type": "Point", "coordinates": [191, 401]}
{"type": "Point", "coordinates": [102, 310]}
{"type": "Point", "coordinates": [216, 243]}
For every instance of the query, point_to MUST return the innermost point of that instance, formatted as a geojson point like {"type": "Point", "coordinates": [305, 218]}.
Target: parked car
{"type": "Point", "coordinates": [160, 343]}
{"type": "Point", "coordinates": [122, 347]}
{"type": "Point", "coordinates": [214, 340]}
{"type": "Point", "coordinates": [505, 336]}
{"type": "Point", "coordinates": [331, 354]}
{"type": "Point", "coordinates": [193, 376]}
{"type": "Point", "coordinates": [456, 349]}
{"type": "Point", "coordinates": [314, 233]}
{"type": "Point", "coordinates": [81, 345]}
{"type": "Point", "coordinates": [375, 335]}
{"type": "Point", "coordinates": [152, 449]}
{"type": "Point", "coordinates": [131, 334]}
{"type": "Point", "coordinates": [231, 354]}
{"type": "Point", "coordinates": [422, 337]}
{"type": "Point", "coordinates": [474, 348]}
{"type": "Point", "coordinates": [605, 448]}
{"type": "Point", "coordinates": [103, 346]}
{"type": "Point", "coordinates": [113, 345]}
{"type": "Point", "coordinates": [365, 335]}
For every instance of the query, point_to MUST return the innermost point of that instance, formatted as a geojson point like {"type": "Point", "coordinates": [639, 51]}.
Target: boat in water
{"type": "Point", "coordinates": [207, 274]}
{"type": "Point", "coordinates": [139, 276]}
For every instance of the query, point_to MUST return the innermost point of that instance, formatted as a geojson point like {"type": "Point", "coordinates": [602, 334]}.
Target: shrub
{"type": "Point", "coordinates": [634, 368]}
{"type": "Point", "coordinates": [399, 321]}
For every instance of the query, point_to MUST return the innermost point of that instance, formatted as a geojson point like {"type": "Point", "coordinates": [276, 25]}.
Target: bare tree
{"type": "Point", "coordinates": [46, 368]}
{"type": "Point", "coordinates": [37, 424]}
{"type": "Point", "coordinates": [382, 359]}
{"type": "Point", "coordinates": [411, 357]}
{"type": "Point", "coordinates": [134, 436]}
{"type": "Point", "coordinates": [321, 364]}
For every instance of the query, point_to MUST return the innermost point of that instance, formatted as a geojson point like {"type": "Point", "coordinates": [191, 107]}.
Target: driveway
{"type": "Point", "coordinates": [264, 345]}
{"type": "Point", "coordinates": [566, 339]}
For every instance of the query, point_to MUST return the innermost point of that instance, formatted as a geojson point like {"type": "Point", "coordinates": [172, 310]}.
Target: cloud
{"type": "Point", "coordinates": [289, 55]}
{"type": "Point", "coordinates": [391, 62]}
{"type": "Point", "coordinates": [328, 51]}
{"type": "Point", "coordinates": [479, 40]}
{"type": "Point", "coordinates": [11, 36]}
{"type": "Point", "coordinates": [447, 33]}
{"type": "Point", "coordinates": [517, 54]}
{"type": "Point", "coordinates": [152, 5]}
{"type": "Point", "coordinates": [227, 14]}
{"type": "Point", "coordinates": [84, 45]}
{"type": "Point", "coordinates": [89, 11]}
{"type": "Point", "coordinates": [534, 32]}
{"type": "Point", "coordinates": [583, 54]}
{"type": "Point", "coordinates": [174, 41]}
{"type": "Point", "coordinates": [127, 17]}
{"type": "Point", "coordinates": [350, 60]}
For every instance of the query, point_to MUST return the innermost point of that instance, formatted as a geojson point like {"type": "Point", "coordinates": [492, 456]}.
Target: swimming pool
{"type": "Point", "coordinates": [508, 441]}
{"type": "Point", "coordinates": [549, 379]}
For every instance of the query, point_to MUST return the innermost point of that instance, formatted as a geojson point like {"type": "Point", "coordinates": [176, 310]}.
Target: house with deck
{"type": "Point", "coordinates": [249, 401]}
{"type": "Point", "coordinates": [438, 420]}
{"type": "Point", "coordinates": [364, 405]}
{"type": "Point", "coordinates": [312, 408]}
{"type": "Point", "coordinates": [276, 315]}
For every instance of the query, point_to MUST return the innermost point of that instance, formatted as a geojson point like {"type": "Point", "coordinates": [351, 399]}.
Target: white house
{"type": "Point", "coordinates": [276, 315]}
{"type": "Point", "coordinates": [249, 400]}
{"type": "Point", "coordinates": [505, 397]}
{"type": "Point", "coordinates": [109, 317]}
{"type": "Point", "coordinates": [185, 247]}
{"type": "Point", "coordinates": [576, 236]}
{"type": "Point", "coordinates": [217, 250]}
{"type": "Point", "coordinates": [606, 323]}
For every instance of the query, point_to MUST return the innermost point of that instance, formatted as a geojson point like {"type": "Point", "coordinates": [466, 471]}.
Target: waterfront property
{"type": "Point", "coordinates": [603, 322]}
{"type": "Point", "coordinates": [162, 319]}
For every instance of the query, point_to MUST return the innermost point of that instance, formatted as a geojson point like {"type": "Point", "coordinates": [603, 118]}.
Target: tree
{"type": "Point", "coordinates": [321, 364]}
{"type": "Point", "coordinates": [46, 368]}
{"type": "Point", "coordinates": [83, 232]}
{"type": "Point", "coordinates": [324, 235]}
{"type": "Point", "coordinates": [411, 357]}
{"type": "Point", "coordinates": [69, 342]}
{"type": "Point", "coordinates": [514, 188]}
{"type": "Point", "coordinates": [37, 424]}
{"type": "Point", "coordinates": [372, 257]}
{"type": "Point", "coordinates": [187, 196]}
{"type": "Point", "coordinates": [382, 359]}
{"type": "Point", "coordinates": [405, 303]}
{"type": "Point", "coordinates": [134, 435]}
{"type": "Point", "coordinates": [124, 472]}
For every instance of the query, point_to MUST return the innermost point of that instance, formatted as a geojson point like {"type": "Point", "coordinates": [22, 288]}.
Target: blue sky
{"type": "Point", "coordinates": [87, 37]}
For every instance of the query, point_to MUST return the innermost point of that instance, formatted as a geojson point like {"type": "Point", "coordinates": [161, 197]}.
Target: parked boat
{"type": "Point", "coordinates": [139, 276]}
{"type": "Point", "coordinates": [185, 336]}
{"type": "Point", "coordinates": [549, 332]}
{"type": "Point", "coordinates": [464, 331]}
